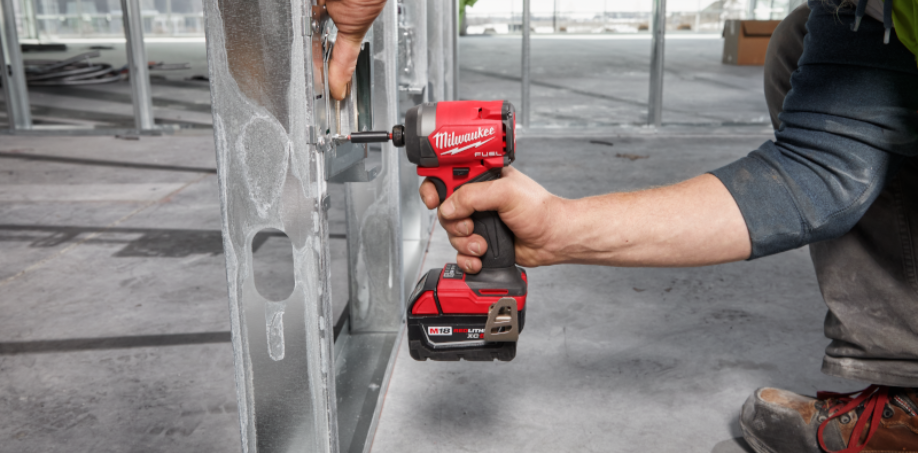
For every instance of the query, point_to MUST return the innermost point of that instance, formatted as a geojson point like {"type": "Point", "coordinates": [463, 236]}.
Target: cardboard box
{"type": "Point", "coordinates": [745, 41]}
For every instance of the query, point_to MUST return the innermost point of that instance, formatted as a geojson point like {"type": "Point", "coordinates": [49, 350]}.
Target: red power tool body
{"type": "Point", "coordinates": [451, 314]}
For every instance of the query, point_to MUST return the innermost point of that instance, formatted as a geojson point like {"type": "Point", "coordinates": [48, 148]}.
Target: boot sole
{"type": "Point", "coordinates": [753, 441]}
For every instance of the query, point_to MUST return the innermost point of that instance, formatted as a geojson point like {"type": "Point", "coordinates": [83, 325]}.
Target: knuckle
{"type": "Point", "coordinates": [461, 196]}
{"type": "Point", "coordinates": [461, 228]}
{"type": "Point", "coordinates": [459, 231]}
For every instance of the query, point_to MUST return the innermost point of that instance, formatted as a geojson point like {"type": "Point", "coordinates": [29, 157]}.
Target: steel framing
{"type": "Point", "coordinates": [655, 100]}
{"type": "Point", "coordinates": [412, 54]}
{"type": "Point", "coordinates": [436, 71]}
{"type": "Point", "coordinates": [137, 61]}
{"type": "Point", "coordinates": [452, 51]}
{"type": "Point", "coordinates": [525, 85]}
{"type": "Point", "coordinates": [17, 94]}
{"type": "Point", "coordinates": [271, 177]}
{"type": "Point", "coordinates": [376, 256]}
{"type": "Point", "coordinates": [414, 84]}
{"type": "Point", "coordinates": [299, 388]}
{"type": "Point", "coordinates": [14, 82]}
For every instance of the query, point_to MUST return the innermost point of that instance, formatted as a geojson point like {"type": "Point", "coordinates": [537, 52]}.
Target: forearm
{"type": "Point", "coordinates": [692, 223]}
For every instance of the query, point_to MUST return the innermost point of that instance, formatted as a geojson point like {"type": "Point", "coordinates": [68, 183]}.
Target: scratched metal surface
{"type": "Point", "coordinates": [271, 178]}
{"type": "Point", "coordinates": [412, 54]}
{"type": "Point", "coordinates": [413, 82]}
{"type": "Point", "coordinates": [436, 70]}
{"type": "Point", "coordinates": [386, 235]}
{"type": "Point", "coordinates": [374, 222]}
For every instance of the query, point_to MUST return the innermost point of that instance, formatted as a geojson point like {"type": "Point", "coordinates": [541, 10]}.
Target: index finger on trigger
{"type": "Point", "coordinates": [429, 194]}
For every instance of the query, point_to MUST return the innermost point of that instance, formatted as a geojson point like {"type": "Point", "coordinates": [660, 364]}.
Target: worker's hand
{"type": "Point", "coordinates": [353, 18]}
{"type": "Point", "coordinates": [529, 210]}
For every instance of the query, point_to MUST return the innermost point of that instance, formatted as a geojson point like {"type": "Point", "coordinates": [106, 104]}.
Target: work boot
{"type": "Point", "coordinates": [876, 419]}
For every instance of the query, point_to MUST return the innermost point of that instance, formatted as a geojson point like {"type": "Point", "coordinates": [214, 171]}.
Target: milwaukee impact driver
{"type": "Point", "coordinates": [452, 314]}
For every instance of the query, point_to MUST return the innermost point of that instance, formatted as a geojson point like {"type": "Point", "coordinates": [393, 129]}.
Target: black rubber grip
{"type": "Point", "coordinates": [500, 239]}
{"type": "Point", "coordinates": [500, 252]}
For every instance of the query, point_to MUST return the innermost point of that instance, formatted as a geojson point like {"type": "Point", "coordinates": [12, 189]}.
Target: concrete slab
{"type": "Point", "coordinates": [176, 398]}
{"type": "Point", "coordinates": [78, 373]}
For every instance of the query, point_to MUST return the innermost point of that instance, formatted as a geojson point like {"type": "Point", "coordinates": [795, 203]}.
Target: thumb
{"type": "Point", "coordinates": [342, 64]}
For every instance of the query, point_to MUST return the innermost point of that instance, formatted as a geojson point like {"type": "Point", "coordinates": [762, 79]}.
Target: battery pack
{"type": "Point", "coordinates": [457, 316]}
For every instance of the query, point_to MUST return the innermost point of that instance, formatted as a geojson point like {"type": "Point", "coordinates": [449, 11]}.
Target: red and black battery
{"type": "Point", "coordinates": [449, 310]}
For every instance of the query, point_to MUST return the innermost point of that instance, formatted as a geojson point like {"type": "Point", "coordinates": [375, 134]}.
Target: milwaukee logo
{"type": "Point", "coordinates": [447, 139]}
{"type": "Point", "coordinates": [440, 330]}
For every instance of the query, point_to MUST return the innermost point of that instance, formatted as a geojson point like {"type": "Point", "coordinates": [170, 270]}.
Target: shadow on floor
{"type": "Point", "coordinates": [152, 242]}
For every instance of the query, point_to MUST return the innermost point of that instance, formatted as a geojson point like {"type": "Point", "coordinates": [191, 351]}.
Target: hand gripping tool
{"type": "Point", "coordinates": [452, 314]}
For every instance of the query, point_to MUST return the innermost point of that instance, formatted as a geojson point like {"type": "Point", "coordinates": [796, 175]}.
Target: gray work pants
{"type": "Point", "coordinates": [869, 276]}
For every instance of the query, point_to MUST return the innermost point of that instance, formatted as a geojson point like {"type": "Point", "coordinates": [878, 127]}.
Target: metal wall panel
{"type": "Point", "coordinates": [412, 53]}
{"type": "Point", "coordinates": [297, 390]}
{"type": "Point", "coordinates": [373, 215]}
{"type": "Point", "coordinates": [413, 84]}
{"type": "Point", "coordinates": [382, 263]}
{"type": "Point", "coordinates": [271, 177]}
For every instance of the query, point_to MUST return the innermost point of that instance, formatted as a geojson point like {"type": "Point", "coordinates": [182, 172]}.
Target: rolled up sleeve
{"type": "Point", "coordinates": [848, 122]}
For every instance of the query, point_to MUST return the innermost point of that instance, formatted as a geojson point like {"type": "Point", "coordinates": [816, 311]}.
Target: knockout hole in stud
{"type": "Point", "coordinates": [272, 262]}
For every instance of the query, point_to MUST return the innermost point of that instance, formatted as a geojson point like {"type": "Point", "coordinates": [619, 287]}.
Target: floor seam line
{"type": "Point", "coordinates": [92, 236]}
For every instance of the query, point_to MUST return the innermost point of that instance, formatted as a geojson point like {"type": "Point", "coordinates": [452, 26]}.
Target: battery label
{"type": "Point", "coordinates": [458, 332]}
{"type": "Point", "coordinates": [446, 330]}
{"type": "Point", "coordinates": [470, 333]}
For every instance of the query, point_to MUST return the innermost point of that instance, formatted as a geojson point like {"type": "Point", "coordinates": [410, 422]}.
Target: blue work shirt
{"type": "Point", "coordinates": [849, 121]}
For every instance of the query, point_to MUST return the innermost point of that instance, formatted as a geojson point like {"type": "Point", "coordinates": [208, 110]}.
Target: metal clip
{"type": "Point", "coordinates": [503, 322]}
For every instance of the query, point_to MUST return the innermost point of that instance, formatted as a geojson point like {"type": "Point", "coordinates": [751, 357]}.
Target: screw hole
{"type": "Point", "coordinates": [272, 262]}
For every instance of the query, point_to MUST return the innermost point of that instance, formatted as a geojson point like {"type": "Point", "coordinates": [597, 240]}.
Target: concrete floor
{"type": "Point", "coordinates": [114, 334]}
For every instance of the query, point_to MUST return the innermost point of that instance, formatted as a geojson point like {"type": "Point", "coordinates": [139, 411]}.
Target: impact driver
{"type": "Point", "coordinates": [454, 315]}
